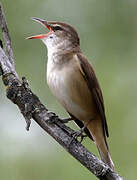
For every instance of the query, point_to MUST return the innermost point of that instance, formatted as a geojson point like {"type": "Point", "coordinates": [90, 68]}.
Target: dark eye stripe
{"type": "Point", "coordinates": [55, 28]}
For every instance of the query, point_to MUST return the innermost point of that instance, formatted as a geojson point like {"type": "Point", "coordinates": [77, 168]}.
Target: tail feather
{"type": "Point", "coordinates": [96, 130]}
{"type": "Point", "coordinates": [105, 156]}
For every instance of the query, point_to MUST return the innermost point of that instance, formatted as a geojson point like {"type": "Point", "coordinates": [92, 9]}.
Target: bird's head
{"type": "Point", "coordinates": [60, 35]}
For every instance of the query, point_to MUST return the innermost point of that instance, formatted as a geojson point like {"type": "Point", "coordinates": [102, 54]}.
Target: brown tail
{"type": "Point", "coordinates": [96, 130]}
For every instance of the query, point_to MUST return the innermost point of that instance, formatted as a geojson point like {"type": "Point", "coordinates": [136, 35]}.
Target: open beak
{"type": "Point", "coordinates": [45, 24]}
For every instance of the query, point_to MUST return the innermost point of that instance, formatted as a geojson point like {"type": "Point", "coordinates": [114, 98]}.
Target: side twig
{"type": "Point", "coordinates": [31, 107]}
{"type": "Point", "coordinates": [7, 39]}
{"type": "Point", "coordinates": [6, 36]}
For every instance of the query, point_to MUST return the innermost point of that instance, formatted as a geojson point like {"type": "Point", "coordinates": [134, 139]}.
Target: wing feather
{"type": "Point", "coordinates": [92, 82]}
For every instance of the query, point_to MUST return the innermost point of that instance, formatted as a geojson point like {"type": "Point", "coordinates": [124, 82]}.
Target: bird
{"type": "Point", "coordinates": [73, 82]}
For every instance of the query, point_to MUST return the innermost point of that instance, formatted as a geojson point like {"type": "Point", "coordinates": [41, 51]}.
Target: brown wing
{"type": "Point", "coordinates": [92, 82]}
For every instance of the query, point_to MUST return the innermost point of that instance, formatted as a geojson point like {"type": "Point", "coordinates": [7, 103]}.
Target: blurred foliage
{"type": "Point", "coordinates": [108, 31]}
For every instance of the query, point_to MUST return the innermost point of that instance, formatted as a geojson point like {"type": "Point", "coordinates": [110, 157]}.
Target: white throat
{"type": "Point", "coordinates": [54, 59]}
{"type": "Point", "coordinates": [51, 49]}
{"type": "Point", "coordinates": [56, 46]}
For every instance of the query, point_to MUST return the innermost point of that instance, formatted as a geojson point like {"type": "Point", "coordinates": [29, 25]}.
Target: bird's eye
{"type": "Point", "coordinates": [56, 28]}
{"type": "Point", "coordinates": [51, 37]}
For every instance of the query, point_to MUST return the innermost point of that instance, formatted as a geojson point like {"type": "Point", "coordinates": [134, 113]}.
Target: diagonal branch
{"type": "Point", "coordinates": [31, 107]}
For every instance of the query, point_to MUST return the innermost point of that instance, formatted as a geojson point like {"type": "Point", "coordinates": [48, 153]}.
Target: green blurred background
{"type": "Point", "coordinates": [108, 31]}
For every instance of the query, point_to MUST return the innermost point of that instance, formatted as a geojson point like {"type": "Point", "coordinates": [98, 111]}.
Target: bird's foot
{"type": "Point", "coordinates": [77, 134]}
{"type": "Point", "coordinates": [51, 117]}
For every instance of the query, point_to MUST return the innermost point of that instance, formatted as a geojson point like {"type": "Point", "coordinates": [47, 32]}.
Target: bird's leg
{"type": "Point", "coordinates": [53, 118]}
{"type": "Point", "coordinates": [66, 120]}
{"type": "Point", "coordinates": [80, 132]}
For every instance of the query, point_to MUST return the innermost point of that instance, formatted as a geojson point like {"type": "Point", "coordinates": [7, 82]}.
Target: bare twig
{"type": "Point", "coordinates": [31, 107]}
{"type": "Point", "coordinates": [7, 40]}
{"type": "Point", "coordinates": [6, 36]}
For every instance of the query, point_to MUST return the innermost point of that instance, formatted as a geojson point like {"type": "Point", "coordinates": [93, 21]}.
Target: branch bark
{"type": "Point", "coordinates": [30, 106]}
